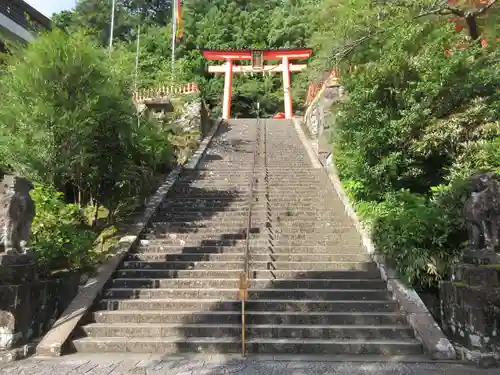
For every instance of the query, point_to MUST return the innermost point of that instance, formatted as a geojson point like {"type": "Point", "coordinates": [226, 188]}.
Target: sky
{"type": "Point", "coordinates": [47, 7]}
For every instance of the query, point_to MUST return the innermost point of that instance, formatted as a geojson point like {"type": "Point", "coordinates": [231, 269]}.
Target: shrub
{"type": "Point", "coordinates": [417, 122]}
{"type": "Point", "coordinates": [60, 238]}
{"type": "Point", "coordinates": [66, 116]}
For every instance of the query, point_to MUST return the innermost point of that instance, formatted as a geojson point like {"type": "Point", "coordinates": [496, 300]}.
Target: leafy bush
{"type": "Point", "coordinates": [416, 123]}
{"type": "Point", "coordinates": [80, 120]}
{"type": "Point", "coordinates": [420, 237]}
{"type": "Point", "coordinates": [60, 238]}
{"type": "Point", "coordinates": [71, 110]}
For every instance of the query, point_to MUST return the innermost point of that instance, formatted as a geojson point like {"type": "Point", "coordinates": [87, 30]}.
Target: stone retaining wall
{"type": "Point", "coordinates": [29, 310]}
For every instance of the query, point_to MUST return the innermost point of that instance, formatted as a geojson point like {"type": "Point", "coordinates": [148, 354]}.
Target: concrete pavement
{"type": "Point", "coordinates": [108, 364]}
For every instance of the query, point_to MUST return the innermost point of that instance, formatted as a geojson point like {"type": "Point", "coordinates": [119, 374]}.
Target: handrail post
{"type": "Point", "coordinates": [243, 298]}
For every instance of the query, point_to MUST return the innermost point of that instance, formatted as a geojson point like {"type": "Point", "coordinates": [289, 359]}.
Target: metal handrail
{"type": "Point", "coordinates": [243, 295]}
{"type": "Point", "coordinates": [251, 199]}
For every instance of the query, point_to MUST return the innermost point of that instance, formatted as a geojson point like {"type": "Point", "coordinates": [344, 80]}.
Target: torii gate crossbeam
{"type": "Point", "coordinates": [257, 57]}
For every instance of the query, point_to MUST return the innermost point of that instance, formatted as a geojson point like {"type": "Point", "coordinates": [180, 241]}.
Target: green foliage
{"type": "Point", "coordinates": [70, 109]}
{"type": "Point", "coordinates": [59, 235]}
{"type": "Point", "coordinates": [67, 122]}
{"type": "Point", "coordinates": [75, 110]}
{"type": "Point", "coordinates": [417, 121]}
{"type": "Point", "coordinates": [215, 24]}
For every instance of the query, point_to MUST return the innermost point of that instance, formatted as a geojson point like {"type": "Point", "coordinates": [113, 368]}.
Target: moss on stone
{"type": "Point", "coordinates": [495, 266]}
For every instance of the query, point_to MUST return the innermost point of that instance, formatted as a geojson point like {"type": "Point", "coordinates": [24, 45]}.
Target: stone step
{"type": "Point", "coordinates": [215, 199]}
{"type": "Point", "coordinates": [185, 330]}
{"type": "Point", "coordinates": [189, 257]}
{"type": "Point", "coordinates": [172, 345]}
{"type": "Point", "coordinates": [254, 265]}
{"type": "Point", "coordinates": [313, 266]}
{"type": "Point", "coordinates": [240, 234]}
{"type": "Point", "coordinates": [174, 274]}
{"type": "Point", "coordinates": [196, 242]}
{"type": "Point", "coordinates": [255, 305]}
{"type": "Point", "coordinates": [311, 274]}
{"type": "Point", "coordinates": [267, 331]}
{"type": "Point", "coordinates": [166, 317]}
{"type": "Point", "coordinates": [182, 265]}
{"type": "Point", "coordinates": [208, 227]}
{"type": "Point", "coordinates": [326, 318]}
{"type": "Point", "coordinates": [165, 293]}
{"type": "Point", "coordinates": [152, 247]}
{"type": "Point", "coordinates": [199, 236]}
{"type": "Point", "coordinates": [176, 249]}
{"type": "Point", "coordinates": [312, 237]}
{"type": "Point", "coordinates": [201, 216]}
{"type": "Point", "coordinates": [334, 346]}
{"type": "Point", "coordinates": [280, 305]}
{"type": "Point", "coordinates": [253, 283]}
{"type": "Point", "coordinates": [251, 317]}
{"type": "Point", "coordinates": [318, 294]}
{"type": "Point", "coordinates": [207, 216]}
{"type": "Point", "coordinates": [315, 241]}
{"type": "Point", "coordinates": [257, 224]}
{"type": "Point", "coordinates": [265, 256]}
{"type": "Point", "coordinates": [254, 294]}
{"type": "Point", "coordinates": [316, 283]}
{"type": "Point", "coordinates": [170, 304]}
{"type": "Point", "coordinates": [345, 332]}
{"type": "Point", "coordinates": [157, 345]}
{"type": "Point", "coordinates": [257, 241]}
{"type": "Point", "coordinates": [261, 257]}
{"type": "Point", "coordinates": [228, 210]}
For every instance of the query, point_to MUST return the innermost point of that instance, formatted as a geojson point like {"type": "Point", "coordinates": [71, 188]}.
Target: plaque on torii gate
{"type": "Point", "coordinates": [257, 58]}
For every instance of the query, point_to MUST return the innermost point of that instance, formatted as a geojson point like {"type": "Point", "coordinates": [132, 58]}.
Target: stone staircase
{"type": "Point", "coordinates": [313, 289]}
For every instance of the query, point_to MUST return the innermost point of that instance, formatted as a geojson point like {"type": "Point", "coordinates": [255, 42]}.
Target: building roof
{"type": "Point", "coordinates": [15, 10]}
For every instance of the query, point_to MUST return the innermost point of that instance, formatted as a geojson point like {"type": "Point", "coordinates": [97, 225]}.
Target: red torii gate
{"type": "Point", "coordinates": [257, 57]}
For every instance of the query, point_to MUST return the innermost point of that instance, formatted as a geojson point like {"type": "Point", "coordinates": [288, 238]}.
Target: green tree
{"type": "Point", "coordinates": [69, 120]}
{"type": "Point", "coordinates": [421, 114]}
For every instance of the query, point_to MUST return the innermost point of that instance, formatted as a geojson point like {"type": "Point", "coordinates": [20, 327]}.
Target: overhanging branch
{"type": "Point", "coordinates": [439, 7]}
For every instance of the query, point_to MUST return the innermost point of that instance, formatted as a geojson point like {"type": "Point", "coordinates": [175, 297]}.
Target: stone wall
{"type": "Point", "coordinates": [28, 310]}
{"type": "Point", "coordinates": [194, 114]}
{"type": "Point", "coordinates": [470, 312]}
{"type": "Point", "coordinates": [318, 115]}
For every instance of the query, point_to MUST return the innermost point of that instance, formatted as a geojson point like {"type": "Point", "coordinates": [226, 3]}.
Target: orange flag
{"type": "Point", "coordinates": [180, 31]}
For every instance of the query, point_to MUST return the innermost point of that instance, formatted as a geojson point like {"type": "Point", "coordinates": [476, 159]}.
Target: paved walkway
{"type": "Point", "coordinates": [223, 365]}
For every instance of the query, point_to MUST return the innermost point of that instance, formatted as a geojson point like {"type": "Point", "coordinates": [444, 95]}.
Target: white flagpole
{"type": "Point", "coordinates": [137, 56]}
{"type": "Point", "coordinates": [112, 26]}
{"type": "Point", "coordinates": [174, 31]}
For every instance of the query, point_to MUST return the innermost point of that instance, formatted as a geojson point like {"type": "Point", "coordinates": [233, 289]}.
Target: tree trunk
{"type": "Point", "coordinates": [473, 27]}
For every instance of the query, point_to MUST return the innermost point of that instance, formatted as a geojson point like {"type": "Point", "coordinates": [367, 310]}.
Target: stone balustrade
{"type": "Point", "coordinates": [164, 92]}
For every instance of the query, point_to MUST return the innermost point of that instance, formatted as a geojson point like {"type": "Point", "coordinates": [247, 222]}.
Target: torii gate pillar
{"type": "Point", "coordinates": [287, 88]}
{"type": "Point", "coordinates": [257, 57]}
{"type": "Point", "coordinates": [228, 88]}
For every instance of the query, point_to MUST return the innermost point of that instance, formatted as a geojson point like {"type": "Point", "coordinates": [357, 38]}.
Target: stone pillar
{"type": "Point", "coordinates": [17, 273]}
{"type": "Point", "coordinates": [17, 264]}
{"type": "Point", "coordinates": [228, 85]}
{"type": "Point", "coordinates": [287, 88]}
{"type": "Point", "coordinates": [470, 312]}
